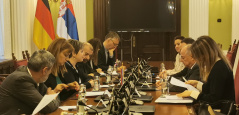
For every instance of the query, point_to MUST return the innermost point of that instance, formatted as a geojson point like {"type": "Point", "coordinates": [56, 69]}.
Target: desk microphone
{"type": "Point", "coordinates": [82, 103]}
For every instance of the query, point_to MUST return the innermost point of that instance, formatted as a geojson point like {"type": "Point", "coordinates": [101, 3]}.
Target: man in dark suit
{"type": "Point", "coordinates": [190, 72]}
{"type": "Point", "coordinates": [22, 90]}
{"type": "Point", "coordinates": [106, 55]}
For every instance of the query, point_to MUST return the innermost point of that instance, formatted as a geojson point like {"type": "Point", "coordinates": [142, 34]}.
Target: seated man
{"type": "Point", "coordinates": [84, 67]}
{"type": "Point", "coordinates": [191, 72]}
{"type": "Point", "coordinates": [106, 54]}
{"type": "Point", "coordinates": [22, 90]}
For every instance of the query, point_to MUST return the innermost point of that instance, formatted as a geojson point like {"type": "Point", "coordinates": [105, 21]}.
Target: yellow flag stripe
{"type": "Point", "coordinates": [40, 36]}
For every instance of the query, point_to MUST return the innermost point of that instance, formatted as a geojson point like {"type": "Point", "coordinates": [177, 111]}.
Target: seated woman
{"type": "Point", "coordinates": [61, 49]}
{"type": "Point", "coordinates": [178, 65]}
{"type": "Point", "coordinates": [73, 73]}
{"type": "Point", "coordinates": [95, 42]}
{"type": "Point", "coordinates": [215, 70]}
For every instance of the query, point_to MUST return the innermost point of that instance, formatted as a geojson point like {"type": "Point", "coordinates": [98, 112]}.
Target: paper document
{"type": "Point", "coordinates": [179, 83]}
{"type": "Point", "coordinates": [94, 93]}
{"type": "Point", "coordinates": [106, 86]}
{"type": "Point", "coordinates": [44, 101]}
{"type": "Point", "coordinates": [172, 99]}
{"type": "Point", "coordinates": [66, 108]}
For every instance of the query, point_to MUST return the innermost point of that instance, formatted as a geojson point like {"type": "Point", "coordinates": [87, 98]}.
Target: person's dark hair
{"type": "Point", "coordinates": [41, 59]}
{"type": "Point", "coordinates": [188, 40]}
{"type": "Point", "coordinates": [179, 37]}
{"type": "Point", "coordinates": [112, 35]}
{"type": "Point", "coordinates": [77, 45]}
{"type": "Point", "coordinates": [96, 43]}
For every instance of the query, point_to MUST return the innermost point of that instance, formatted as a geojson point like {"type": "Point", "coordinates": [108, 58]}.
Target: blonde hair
{"type": "Point", "coordinates": [206, 52]}
{"type": "Point", "coordinates": [56, 47]}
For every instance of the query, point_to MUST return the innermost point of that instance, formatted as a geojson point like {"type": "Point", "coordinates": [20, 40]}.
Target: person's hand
{"type": "Point", "coordinates": [91, 82]}
{"type": "Point", "coordinates": [50, 91]}
{"type": "Point", "coordinates": [111, 52]}
{"type": "Point", "coordinates": [184, 94]}
{"type": "Point", "coordinates": [163, 74]}
{"type": "Point", "coordinates": [158, 84]}
{"type": "Point", "coordinates": [91, 74]}
{"type": "Point", "coordinates": [60, 87]}
{"type": "Point", "coordinates": [99, 70]}
{"type": "Point", "coordinates": [74, 85]}
{"type": "Point", "coordinates": [194, 83]}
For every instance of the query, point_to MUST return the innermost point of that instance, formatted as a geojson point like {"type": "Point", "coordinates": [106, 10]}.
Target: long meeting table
{"type": "Point", "coordinates": [160, 109]}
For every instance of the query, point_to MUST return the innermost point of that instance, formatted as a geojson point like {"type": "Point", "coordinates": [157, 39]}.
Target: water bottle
{"type": "Point", "coordinates": [109, 71]}
{"type": "Point", "coordinates": [80, 107]}
{"type": "Point", "coordinates": [108, 78]}
{"type": "Point", "coordinates": [83, 90]}
{"type": "Point", "coordinates": [149, 76]}
{"type": "Point", "coordinates": [96, 83]}
{"type": "Point", "coordinates": [162, 67]}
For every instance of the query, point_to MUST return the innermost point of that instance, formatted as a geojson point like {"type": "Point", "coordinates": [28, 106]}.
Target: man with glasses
{"type": "Point", "coordinates": [106, 55]}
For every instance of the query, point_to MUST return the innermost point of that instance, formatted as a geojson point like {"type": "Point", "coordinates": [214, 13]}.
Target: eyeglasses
{"type": "Point", "coordinates": [114, 43]}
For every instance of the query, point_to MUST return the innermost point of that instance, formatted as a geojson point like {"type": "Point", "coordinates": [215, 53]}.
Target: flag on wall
{"type": "Point", "coordinates": [66, 22]}
{"type": "Point", "coordinates": [43, 31]}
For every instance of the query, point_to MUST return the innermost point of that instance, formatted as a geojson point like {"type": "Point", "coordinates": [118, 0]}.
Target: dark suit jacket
{"type": "Point", "coordinates": [20, 94]}
{"type": "Point", "coordinates": [189, 74]}
{"type": "Point", "coordinates": [51, 82]}
{"type": "Point", "coordinates": [73, 75]}
{"type": "Point", "coordinates": [102, 59]}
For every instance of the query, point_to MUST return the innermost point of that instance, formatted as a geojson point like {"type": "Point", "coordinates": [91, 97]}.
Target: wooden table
{"type": "Point", "coordinates": [160, 109]}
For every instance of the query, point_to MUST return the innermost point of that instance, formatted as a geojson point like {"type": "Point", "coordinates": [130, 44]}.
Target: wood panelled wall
{"type": "Point", "coordinates": [144, 45]}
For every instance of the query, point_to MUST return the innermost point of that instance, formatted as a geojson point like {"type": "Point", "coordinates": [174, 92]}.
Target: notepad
{"type": "Point", "coordinates": [94, 93]}
{"type": "Point", "coordinates": [173, 99]}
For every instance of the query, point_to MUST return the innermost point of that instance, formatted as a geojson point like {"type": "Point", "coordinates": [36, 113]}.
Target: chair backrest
{"type": "Point", "coordinates": [23, 55]}
{"type": "Point", "coordinates": [18, 63]}
{"type": "Point", "coordinates": [27, 54]}
{"type": "Point", "coordinates": [232, 51]}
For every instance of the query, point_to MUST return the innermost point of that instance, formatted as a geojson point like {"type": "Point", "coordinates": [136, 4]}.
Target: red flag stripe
{"type": "Point", "coordinates": [43, 14]}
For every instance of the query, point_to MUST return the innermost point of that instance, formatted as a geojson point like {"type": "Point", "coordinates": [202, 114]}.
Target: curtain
{"type": "Point", "coordinates": [100, 19]}
{"type": "Point", "coordinates": [1, 30]}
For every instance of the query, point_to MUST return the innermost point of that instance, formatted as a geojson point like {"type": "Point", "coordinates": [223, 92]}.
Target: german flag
{"type": "Point", "coordinates": [43, 32]}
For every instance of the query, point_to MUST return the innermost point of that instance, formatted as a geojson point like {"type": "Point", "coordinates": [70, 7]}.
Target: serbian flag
{"type": "Point", "coordinates": [43, 31]}
{"type": "Point", "coordinates": [66, 22]}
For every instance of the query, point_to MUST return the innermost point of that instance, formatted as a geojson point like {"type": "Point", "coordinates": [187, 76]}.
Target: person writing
{"type": "Point", "coordinates": [215, 71]}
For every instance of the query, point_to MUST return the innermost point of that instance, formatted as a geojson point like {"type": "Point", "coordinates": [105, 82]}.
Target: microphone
{"type": "Point", "coordinates": [82, 103]}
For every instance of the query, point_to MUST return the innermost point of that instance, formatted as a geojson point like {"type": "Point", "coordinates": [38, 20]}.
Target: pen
{"type": "Point", "coordinates": [185, 79]}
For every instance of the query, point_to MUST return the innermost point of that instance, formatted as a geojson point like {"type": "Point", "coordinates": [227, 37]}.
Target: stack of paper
{"type": "Point", "coordinates": [173, 99]}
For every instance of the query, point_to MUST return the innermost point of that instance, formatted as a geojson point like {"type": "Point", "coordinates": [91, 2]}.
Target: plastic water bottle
{"type": "Point", "coordinates": [149, 76]}
{"type": "Point", "coordinates": [80, 108]}
{"type": "Point", "coordinates": [96, 83]}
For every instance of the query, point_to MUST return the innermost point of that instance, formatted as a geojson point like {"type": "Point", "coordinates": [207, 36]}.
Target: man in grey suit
{"type": "Point", "coordinates": [22, 90]}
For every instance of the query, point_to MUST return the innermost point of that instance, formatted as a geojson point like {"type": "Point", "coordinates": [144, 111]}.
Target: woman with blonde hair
{"type": "Point", "coordinates": [215, 70]}
{"type": "Point", "coordinates": [61, 49]}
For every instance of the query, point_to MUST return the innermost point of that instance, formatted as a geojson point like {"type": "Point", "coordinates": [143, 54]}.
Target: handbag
{"type": "Point", "coordinates": [227, 107]}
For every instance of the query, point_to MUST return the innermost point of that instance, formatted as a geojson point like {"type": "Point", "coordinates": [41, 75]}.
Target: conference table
{"type": "Point", "coordinates": [160, 109]}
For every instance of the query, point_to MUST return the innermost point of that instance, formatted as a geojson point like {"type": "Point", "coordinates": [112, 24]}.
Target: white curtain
{"type": "Point", "coordinates": [1, 30]}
